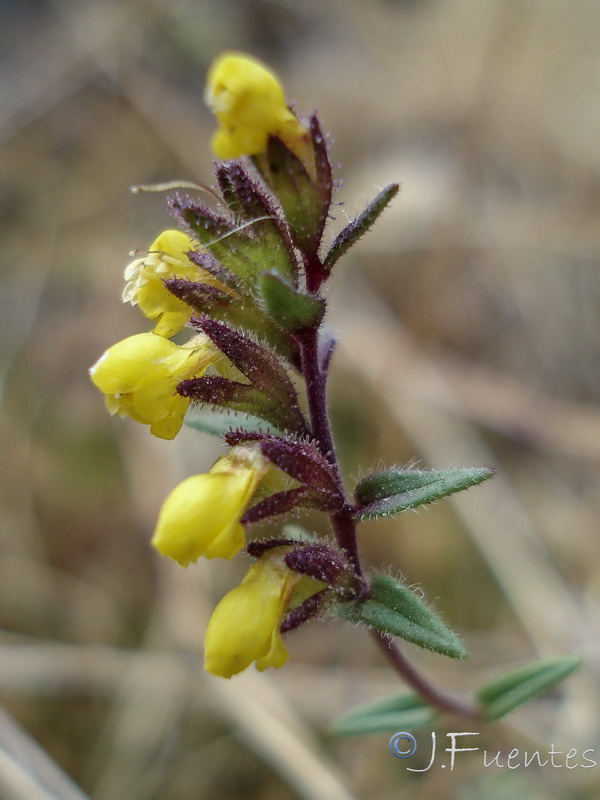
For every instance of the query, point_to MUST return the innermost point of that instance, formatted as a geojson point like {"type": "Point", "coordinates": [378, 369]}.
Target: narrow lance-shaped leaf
{"type": "Point", "coordinates": [395, 609]}
{"type": "Point", "coordinates": [359, 226]}
{"type": "Point", "coordinates": [503, 694]}
{"type": "Point", "coordinates": [386, 493]}
{"type": "Point", "coordinates": [398, 712]}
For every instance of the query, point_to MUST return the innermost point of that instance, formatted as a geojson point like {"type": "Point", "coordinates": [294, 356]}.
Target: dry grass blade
{"type": "Point", "coordinates": [26, 771]}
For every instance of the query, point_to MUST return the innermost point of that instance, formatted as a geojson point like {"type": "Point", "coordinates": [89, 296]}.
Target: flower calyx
{"type": "Point", "coordinates": [269, 393]}
{"type": "Point", "coordinates": [302, 461]}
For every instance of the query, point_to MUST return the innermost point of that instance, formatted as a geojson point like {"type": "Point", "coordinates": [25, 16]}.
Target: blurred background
{"type": "Point", "coordinates": [469, 334]}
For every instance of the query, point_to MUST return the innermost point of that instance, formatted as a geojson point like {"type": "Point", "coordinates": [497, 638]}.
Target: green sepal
{"type": "Point", "coordinates": [383, 494]}
{"type": "Point", "coordinates": [251, 202]}
{"type": "Point", "coordinates": [399, 712]}
{"type": "Point", "coordinates": [395, 609]}
{"type": "Point", "coordinates": [218, 423]}
{"type": "Point", "coordinates": [359, 226]}
{"type": "Point", "coordinates": [292, 309]}
{"type": "Point", "coordinates": [503, 694]}
{"type": "Point", "coordinates": [236, 244]}
{"type": "Point", "coordinates": [304, 202]}
{"type": "Point", "coordinates": [241, 312]}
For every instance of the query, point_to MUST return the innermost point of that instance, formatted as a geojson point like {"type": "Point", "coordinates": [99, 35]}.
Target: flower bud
{"type": "Point", "coordinates": [248, 101]}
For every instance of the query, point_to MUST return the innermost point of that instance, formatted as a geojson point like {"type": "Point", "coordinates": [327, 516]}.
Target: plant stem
{"type": "Point", "coordinates": [414, 679]}
{"type": "Point", "coordinates": [343, 523]}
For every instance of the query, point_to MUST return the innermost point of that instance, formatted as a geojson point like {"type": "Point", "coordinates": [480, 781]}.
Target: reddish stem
{"type": "Point", "coordinates": [414, 679]}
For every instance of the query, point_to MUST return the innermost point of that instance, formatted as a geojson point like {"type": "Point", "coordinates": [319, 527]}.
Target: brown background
{"type": "Point", "coordinates": [468, 325]}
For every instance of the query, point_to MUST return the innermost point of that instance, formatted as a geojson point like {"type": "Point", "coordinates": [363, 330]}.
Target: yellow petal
{"type": "Point", "coordinates": [140, 374]}
{"type": "Point", "coordinates": [166, 258]}
{"type": "Point", "coordinates": [244, 627]}
{"type": "Point", "coordinates": [249, 103]}
{"type": "Point", "coordinates": [201, 517]}
{"type": "Point", "coordinates": [174, 243]}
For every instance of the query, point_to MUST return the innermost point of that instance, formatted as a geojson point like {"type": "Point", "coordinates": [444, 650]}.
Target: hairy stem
{"type": "Point", "coordinates": [343, 522]}
{"type": "Point", "coordinates": [417, 682]}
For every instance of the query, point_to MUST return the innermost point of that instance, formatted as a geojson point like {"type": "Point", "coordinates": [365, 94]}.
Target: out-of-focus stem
{"type": "Point", "coordinates": [416, 681]}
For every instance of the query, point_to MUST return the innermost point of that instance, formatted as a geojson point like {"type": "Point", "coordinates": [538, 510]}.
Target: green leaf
{"type": "Point", "coordinates": [501, 695]}
{"type": "Point", "coordinates": [386, 493]}
{"type": "Point", "coordinates": [395, 713]}
{"type": "Point", "coordinates": [217, 423]}
{"type": "Point", "coordinates": [395, 609]}
{"type": "Point", "coordinates": [358, 227]}
{"type": "Point", "coordinates": [292, 309]}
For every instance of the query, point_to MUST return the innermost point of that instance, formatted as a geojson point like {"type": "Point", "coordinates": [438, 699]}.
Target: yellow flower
{"type": "Point", "coordinates": [202, 515]}
{"type": "Point", "coordinates": [139, 377]}
{"type": "Point", "coordinates": [166, 258]}
{"type": "Point", "coordinates": [244, 627]}
{"type": "Point", "coordinates": [249, 103]}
